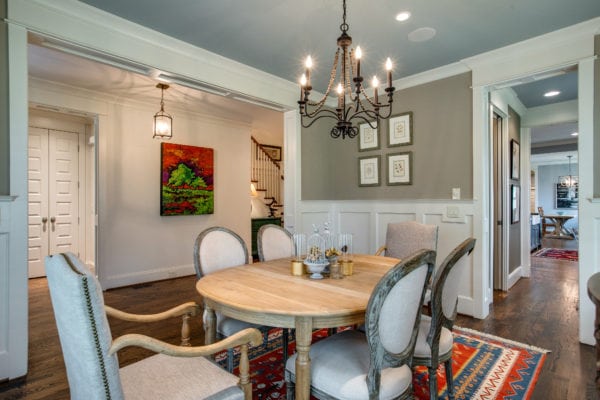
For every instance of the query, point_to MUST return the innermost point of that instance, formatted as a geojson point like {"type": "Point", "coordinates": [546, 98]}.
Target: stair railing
{"type": "Point", "coordinates": [266, 172]}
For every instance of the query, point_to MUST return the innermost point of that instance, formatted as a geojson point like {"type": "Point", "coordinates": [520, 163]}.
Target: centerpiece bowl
{"type": "Point", "coordinates": [315, 268]}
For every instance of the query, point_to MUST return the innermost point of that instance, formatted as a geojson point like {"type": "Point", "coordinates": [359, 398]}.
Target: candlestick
{"type": "Point", "coordinates": [375, 83]}
{"type": "Point", "coordinates": [388, 67]}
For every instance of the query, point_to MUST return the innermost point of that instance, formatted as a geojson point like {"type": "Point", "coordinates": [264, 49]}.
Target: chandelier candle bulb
{"type": "Point", "coordinates": [388, 67]}
{"type": "Point", "coordinates": [308, 65]}
{"type": "Point", "coordinates": [358, 55]}
{"type": "Point", "coordinates": [375, 83]}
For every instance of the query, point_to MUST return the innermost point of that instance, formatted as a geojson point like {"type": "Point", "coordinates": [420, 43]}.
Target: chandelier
{"type": "Point", "coordinates": [163, 122]}
{"type": "Point", "coordinates": [350, 106]}
{"type": "Point", "coordinates": [569, 181]}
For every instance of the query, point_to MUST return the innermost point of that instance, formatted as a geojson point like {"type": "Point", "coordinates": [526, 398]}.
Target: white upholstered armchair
{"type": "Point", "coordinates": [90, 353]}
{"type": "Point", "coordinates": [375, 364]}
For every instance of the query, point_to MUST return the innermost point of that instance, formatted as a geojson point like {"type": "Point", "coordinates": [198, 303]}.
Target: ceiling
{"type": "Point", "coordinates": [275, 36]}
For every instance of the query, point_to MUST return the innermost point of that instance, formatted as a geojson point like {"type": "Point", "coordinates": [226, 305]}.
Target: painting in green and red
{"type": "Point", "coordinates": [187, 182]}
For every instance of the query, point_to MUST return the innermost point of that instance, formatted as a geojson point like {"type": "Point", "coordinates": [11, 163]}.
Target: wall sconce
{"type": "Point", "coordinates": [163, 122]}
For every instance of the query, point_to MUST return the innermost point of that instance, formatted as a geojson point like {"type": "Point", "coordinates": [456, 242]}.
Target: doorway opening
{"type": "Point", "coordinates": [61, 187]}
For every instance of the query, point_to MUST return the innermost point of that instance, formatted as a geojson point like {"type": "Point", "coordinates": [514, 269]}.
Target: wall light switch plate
{"type": "Point", "coordinates": [455, 193]}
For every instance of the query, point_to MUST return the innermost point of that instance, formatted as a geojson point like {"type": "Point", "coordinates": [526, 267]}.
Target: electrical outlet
{"type": "Point", "coordinates": [455, 193]}
{"type": "Point", "coordinates": [453, 212]}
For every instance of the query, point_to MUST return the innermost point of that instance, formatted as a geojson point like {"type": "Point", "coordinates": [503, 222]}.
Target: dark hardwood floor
{"type": "Point", "coordinates": [541, 310]}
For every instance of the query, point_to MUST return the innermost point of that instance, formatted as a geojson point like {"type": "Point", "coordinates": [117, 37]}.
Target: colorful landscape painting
{"type": "Point", "coordinates": [186, 180]}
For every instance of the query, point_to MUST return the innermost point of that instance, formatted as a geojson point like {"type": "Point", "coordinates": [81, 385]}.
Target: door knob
{"type": "Point", "coordinates": [44, 220]}
{"type": "Point", "coordinates": [53, 220]}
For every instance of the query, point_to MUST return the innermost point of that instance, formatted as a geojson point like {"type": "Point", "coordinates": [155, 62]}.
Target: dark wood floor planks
{"type": "Point", "coordinates": [540, 310]}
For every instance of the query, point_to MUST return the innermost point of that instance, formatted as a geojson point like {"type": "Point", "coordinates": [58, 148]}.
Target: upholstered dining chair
{"type": "Point", "coordinates": [217, 248]}
{"type": "Point", "coordinates": [404, 238]}
{"type": "Point", "coordinates": [374, 364]}
{"type": "Point", "coordinates": [89, 350]}
{"type": "Point", "coordinates": [435, 341]}
{"type": "Point", "coordinates": [274, 242]}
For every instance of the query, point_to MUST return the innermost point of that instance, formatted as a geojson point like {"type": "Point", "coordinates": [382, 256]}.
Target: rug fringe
{"type": "Point", "coordinates": [501, 339]}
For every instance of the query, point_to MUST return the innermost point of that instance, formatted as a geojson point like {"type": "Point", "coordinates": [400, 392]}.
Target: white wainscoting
{"type": "Point", "coordinates": [367, 221]}
{"type": "Point", "coordinates": [4, 286]}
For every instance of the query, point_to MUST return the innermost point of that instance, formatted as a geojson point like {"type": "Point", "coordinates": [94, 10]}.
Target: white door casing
{"type": "Point", "coordinates": [53, 195]}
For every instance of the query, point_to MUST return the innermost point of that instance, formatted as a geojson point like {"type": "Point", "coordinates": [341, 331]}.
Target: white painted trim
{"type": "Point", "coordinates": [121, 280]}
{"type": "Point", "coordinates": [76, 22]}
{"type": "Point", "coordinates": [540, 54]}
{"type": "Point", "coordinates": [514, 276]}
{"type": "Point", "coordinates": [589, 213]}
{"type": "Point", "coordinates": [525, 202]}
{"type": "Point", "coordinates": [14, 364]}
{"type": "Point", "coordinates": [550, 114]}
{"type": "Point", "coordinates": [292, 167]}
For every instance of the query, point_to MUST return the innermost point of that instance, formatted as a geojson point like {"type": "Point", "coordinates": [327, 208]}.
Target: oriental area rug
{"type": "Point", "coordinates": [485, 367]}
{"type": "Point", "coordinates": [558, 254]}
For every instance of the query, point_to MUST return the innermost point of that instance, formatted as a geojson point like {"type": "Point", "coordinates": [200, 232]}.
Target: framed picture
{"type": "Point", "coordinates": [514, 159]}
{"type": "Point", "coordinates": [515, 207]}
{"type": "Point", "coordinates": [187, 180]}
{"type": "Point", "coordinates": [273, 151]}
{"type": "Point", "coordinates": [399, 168]}
{"type": "Point", "coordinates": [400, 130]}
{"type": "Point", "coordinates": [567, 197]}
{"type": "Point", "coordinates": [368, 171]}
{"type": "Point", "coordinates": [368, 137]}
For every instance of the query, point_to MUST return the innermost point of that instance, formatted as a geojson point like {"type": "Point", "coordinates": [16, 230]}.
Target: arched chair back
{"type": "Point", "coordinates": [217, 248]}
{"type": "Point", "coordinates": [376, 363]}
{"type": "Point", "coordinates": [84, 332]}
{"type": "Point", "coordinates": [405, 238]}
{"type": "Point", "coordinates": [434, 344]}
{"type": "Point", "coordinates": [274, 242]}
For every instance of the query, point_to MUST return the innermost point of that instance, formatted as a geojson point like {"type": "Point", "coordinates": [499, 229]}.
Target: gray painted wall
{"type": "Point", "coordinates": [547, 179]}
{"type": "Point", "coordinates": [514, 230]}
{"type": "Point", "coordinates": [4, 134]}
{"type": "Point", "coordinates": [441, 149]}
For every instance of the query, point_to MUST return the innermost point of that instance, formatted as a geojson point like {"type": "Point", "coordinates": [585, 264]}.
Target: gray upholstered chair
{"type": "Point", "coordinates": [404, 238]}
{"type": "Point", "coordinates": [89, 350]}
{"type": "Point", "coordinates": [217, 248]}
{"type": "Point", "coordinates": [434, 343]}
{"type": "Point", "coordinates": [376, 363]}
{"type": "Point", "coordinates": [274, 242]}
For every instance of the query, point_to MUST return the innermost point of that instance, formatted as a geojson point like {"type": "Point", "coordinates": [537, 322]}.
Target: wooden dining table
{"type": "Point", "coordinates": [266, 293]}
{"type": "Point", "coordinates": [559, 222]}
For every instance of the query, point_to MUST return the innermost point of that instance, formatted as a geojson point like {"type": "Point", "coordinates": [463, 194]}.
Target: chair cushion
{"type": "Point", "coordinates": [339, 367]}
{"type": "Point", "coordinates": [178, 378]}
{"type": "Point", "coordinates": [422, 349]}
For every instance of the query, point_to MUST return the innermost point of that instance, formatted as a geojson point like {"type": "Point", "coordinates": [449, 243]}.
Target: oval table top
{"type": "Point", "coordinates": [267, 292]}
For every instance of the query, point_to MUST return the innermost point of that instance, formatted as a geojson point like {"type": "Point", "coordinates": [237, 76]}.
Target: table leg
{"type": "Point", "coordinates": [597, 337]}
{"type": "Point", "coordinates": [210, 325]}
{"type": "Point", "coordinates": [303, 339]}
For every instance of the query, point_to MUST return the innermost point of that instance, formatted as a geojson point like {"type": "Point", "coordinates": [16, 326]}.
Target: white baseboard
{"type": "Point", "coordinates": [116, 281]}
{"type": "Point", "coordinates": [514, 276]}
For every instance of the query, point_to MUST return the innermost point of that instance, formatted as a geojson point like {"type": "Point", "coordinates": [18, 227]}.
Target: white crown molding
{"type": "Point", "coordinates": [560, 48]}
{"type": "Point", "coordinates": [86, 26]}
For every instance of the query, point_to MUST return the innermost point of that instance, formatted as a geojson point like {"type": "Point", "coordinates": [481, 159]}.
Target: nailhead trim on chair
{"type": "Point", "coordinates": [88, 301]}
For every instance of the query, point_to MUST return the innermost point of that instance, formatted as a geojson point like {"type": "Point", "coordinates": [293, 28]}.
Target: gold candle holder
{"type": "Point", "coordinates": [347, 267]}
{"type": "Point", "coordinates": [297, 268]}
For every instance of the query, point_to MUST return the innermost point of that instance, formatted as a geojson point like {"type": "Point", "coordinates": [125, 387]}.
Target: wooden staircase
{"type": "Point", "coordinates": [267, 178]}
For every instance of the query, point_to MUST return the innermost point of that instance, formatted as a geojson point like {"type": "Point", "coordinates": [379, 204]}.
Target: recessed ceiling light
{"type": "Point", "coordinates": [421, 34]}
{"type": "Point", "coordinates": [403, 16]}
{"type": "Point", "coordinates": [575, 134]}
{"type": "Point", "coordinates": [551, 93]}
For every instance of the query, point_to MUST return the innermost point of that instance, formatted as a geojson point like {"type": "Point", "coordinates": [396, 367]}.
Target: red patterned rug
{"type": "Point", "coordinates": [558, 254]}
{"type": "Point", "coordinates": [485, 367]}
